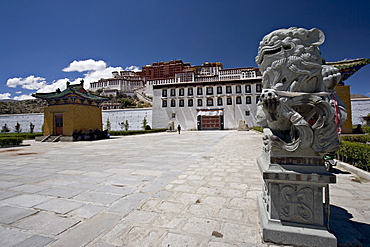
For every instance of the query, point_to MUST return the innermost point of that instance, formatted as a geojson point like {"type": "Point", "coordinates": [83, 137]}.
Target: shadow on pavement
{"type": "Point", "coordinates": [349, 233]}
{"type": "Point", "coordinates": [337, 171]}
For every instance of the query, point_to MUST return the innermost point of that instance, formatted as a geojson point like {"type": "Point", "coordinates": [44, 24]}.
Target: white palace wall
{"type": "Point", "coordinates": [134, 117]}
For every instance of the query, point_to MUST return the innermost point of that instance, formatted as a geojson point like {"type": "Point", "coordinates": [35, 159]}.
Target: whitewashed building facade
{"type": "Point", "coordinates": [209, 102]}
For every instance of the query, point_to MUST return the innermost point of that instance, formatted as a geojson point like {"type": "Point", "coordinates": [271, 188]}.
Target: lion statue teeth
{"type": "Point", "coordinates": [298, 102]}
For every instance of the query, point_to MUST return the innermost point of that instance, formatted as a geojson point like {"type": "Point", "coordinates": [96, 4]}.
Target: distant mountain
{"type": "Point", "coordinates": [8, 100]}
{"type": "Point", "coordinates": [358, 96]}
{"type": "Point", "coordinates": [23, 106]}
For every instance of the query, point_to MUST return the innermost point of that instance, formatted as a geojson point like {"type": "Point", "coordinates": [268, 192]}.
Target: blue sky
{"type": "Point", "coordinates": [44, 43]}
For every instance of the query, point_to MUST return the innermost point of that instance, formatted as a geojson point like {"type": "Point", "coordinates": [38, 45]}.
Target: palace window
{"type": "Point", "coordinates": [257, 99]}
{"type": "Point", "coordinates": [229, 101]}
{"type": "Point", "coordinates": [181, 103]}
{"type": "Point", "coordinates": [164, 103]}
{"type": "Point", "coordinates": [190, 102]}
{"type": "Point", "coordinates": [248, 89]}
{"type": "Point", "coordinates": [258, 88]}
{"type": "Point", "coordinates": [248, 100]}
{"type": "Point", "coordinates": [181, 92]}
{"type": "Point", "coordinates": [199, 102]}
{"type": "Point", "coordinates": [199, 91]}
{"type": "Point", "coordinates": [173, 114]}
{"type": "Point", "coordinates": [219, 90]}
{"type": "Point", "coordinates": [238, 100]}
{"type": "Point", "coordinates": [228, 89]}
{"type": "Point", "coordinates": [238, 89]}
{"type": "Point", "coordinates": [219, 101]}
{"type": "Point", "coordinates": [173, 92]}
{"type": "Point", "coordinates": [164, 92]}
{"type": "Point", "coordinates": [210, 102]}
{"type": "Point", "coordinates": [173, 103]}
{"type": "Point", "coordinates": [247, 113]}
{"type": "Point", "coordinates": [190, 91]}
{"type": "Point", "coordinates": [209, 90]}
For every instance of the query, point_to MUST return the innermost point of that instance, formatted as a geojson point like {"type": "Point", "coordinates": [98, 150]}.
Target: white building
{"type": "Point", "coordinates": [209, 102]}
{"type": "Point", "coordinates": [124, 81]}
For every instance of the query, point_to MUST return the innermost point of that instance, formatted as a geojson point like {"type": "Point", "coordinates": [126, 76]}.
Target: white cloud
{"type": "Point", "coordinates": [85, 65]}
{"type": "Point", "coordinates": [30, 83]}
{"type": "Point", "coordinates": [5, 95]}
{"type": "Point", "coordinates": [24, 97]}
{"type": "Point", "coordinates": [94, 71]}
{"type": "Point", "coordinates": [61, 84]}
{"type": "Point", "coordinates": [132, 68]}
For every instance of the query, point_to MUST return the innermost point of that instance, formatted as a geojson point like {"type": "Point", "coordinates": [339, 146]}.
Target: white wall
{"type": "Point", "coordinates": [135, 118]}
{"type": "Point", "coordinates": [360, 108]}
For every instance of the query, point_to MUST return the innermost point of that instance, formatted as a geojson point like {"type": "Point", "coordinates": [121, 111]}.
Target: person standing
{"type": "Point", "coordinates": [178, 128]}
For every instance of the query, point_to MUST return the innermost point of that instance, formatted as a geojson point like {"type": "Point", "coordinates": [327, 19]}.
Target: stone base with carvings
{"type": "Point", "coordinates": [291, 207]}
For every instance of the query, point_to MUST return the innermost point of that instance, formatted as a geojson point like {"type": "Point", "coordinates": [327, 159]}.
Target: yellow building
{"type": "Point", "coordinates": [70, 110]}
{"type": "Point", "coordinates": [347, 68]}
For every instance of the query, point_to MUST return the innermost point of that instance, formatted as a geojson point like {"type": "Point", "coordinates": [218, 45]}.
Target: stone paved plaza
{"type": "Point", "coordinates": [163, 189]}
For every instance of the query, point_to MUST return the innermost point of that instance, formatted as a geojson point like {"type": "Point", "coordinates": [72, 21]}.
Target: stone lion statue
{"type": "Point", "coordinates": [298, 102]}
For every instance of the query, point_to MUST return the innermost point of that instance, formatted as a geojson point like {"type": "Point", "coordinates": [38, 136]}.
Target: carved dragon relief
{"type": "Point", "coordinates": [298, 102]}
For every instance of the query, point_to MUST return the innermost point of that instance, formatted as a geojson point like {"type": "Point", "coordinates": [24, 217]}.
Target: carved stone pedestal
{"type": "Point", "coordinates": [291, 208]}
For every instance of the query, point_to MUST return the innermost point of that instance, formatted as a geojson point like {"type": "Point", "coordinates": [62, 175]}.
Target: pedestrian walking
{"type": "Point", "coordinates": [178, 128]}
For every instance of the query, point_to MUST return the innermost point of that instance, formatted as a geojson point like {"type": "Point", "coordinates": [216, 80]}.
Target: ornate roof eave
{"type": "Point", "coordinates": [349, 67]}
{"type": "Point", "coordinates": [76, 89]}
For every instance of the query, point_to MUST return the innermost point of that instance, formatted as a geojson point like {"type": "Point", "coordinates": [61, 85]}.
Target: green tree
{"type": "Point", "coordinates": [108, 125]}
{"type": "Point", "coordinates": [144, 123]}
{"type": "Point", "coordinates": [5, 129]}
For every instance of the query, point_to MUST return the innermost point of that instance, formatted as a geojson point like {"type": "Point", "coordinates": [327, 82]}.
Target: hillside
{"type": "Point", "coordinates": [37, 105]}
{"type": "Point", "coordinates": [24, 106]}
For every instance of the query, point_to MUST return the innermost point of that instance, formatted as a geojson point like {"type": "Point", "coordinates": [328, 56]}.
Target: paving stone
{"type": "Point", "coordinates": [46, 224]}
{"type": "Point", "coordinates": [232, 193]}
{"type": "Point", "coordinates": [6, 194]}
{"type": "Point", "coordinates": [188, 198]}
{"type": "Point", "coordinates": [167, 220]}
{"type": "Point", "coordinates": [150, 205]}
{"type": "Point", "coordinates": [35, 241]}
{"type": "Point", "coordinates": [128, 203]}
{"type": "Point", "coordinates": [56, 182]}
{"type": "Point", "coordinates": [206, 190]}
{"type": "Point", "coordinates": [214, 200]}
{"type": "Point", "coordinates": [233, 214]}
{"type": "Point", "coordinates": [115, 235]}
{"type": "Point", "coordinates": [9, 214]}
{"type": "Point", "coordinates": [25, 200]}
{"type": "Point", "coordinates": [175, 239]}
{"type": "Point", "coordinates": [87, 231]}
{"type": "Point", "coordinates": [60, 206]}
{"type": "Point", "coordinates": [28, 188]}
{"type": "Point", "coordinates": [221, 176]}
{"type": "Point", "coordinates": [201, 226]}
{"type": "Point", "coordinates": [60, 192]}
{"type": "Point", "coordinates": [183, 188]}
{"type": "Point", "coordinates": [7, 184]}
{"type": "Point", "coordinates": [86, 211]}
{"type": "Point", "coordinates": [140, 217]}
{"type": "Point", "coordinates": [97, 197]}
{"type": "Point", "coordinates": [200, 209]}
{"type": "Point", "coordinates": [171, 207]}
{"type": "Point", "coordinates": [11, 237]}
{"type": "Point", "coordinates": [244, 233]}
